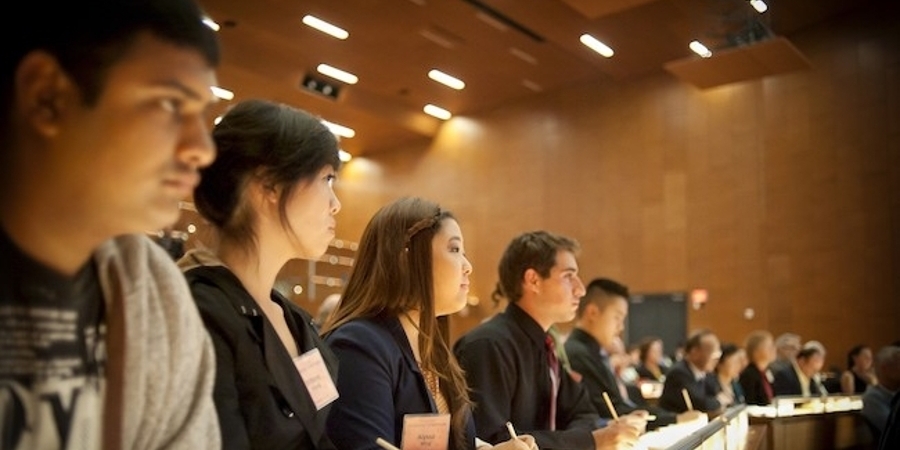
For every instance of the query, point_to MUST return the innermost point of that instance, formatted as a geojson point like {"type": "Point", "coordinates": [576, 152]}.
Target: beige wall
{"type": "Point", "coordinates": [781, 195]}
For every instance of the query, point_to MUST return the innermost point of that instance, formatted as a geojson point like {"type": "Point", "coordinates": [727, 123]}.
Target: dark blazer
{"type": "Point", "coordinates": [754, 385]}
{"type": "Point", "coordinates": [379, 382]}
{"type": "Point", "coordinates": [507, 370]}
{"type": "Point", "coordinates": [589, 361]}
{"type": "Point", "coordinates": [702, 394]}
{"type": "Point", "coordinates": [260, 397]}
{"type": "Point", "coordinates": [788, 383]}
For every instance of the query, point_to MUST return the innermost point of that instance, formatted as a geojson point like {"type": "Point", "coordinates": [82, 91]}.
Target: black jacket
{"type": "Point", "coordinates": [260, 397]}
{"type": "Point", "coordinates": [753, 383]}
{"type": "Point", "coordinates": [506, 368]}
{"type": "Point", "coordinates": [680, 376]}
{"type": "Point", "coordinates": [596, 376]}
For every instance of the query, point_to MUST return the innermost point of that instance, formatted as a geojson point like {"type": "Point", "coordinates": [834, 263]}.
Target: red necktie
{"type": "Point", "coordinates": [766, 385]}
{"type": "Point", "coordinates": [553, 361]}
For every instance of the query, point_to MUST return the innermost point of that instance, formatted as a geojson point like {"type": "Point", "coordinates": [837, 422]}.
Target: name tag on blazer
{"type": "Point", "coordinates": [315, 376]}
{"type": "Point", "coordinates": [426, 432]}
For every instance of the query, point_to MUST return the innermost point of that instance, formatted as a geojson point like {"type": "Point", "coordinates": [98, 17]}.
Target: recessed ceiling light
{"type": "Point", "coordinates": [211, 23]}
{"type": "Point", "coordinates": [437, 111]}
{"type": "Point", "coordinates": [224, 94]}
{"type": "Point", "coordinates": [339, 130]}
{"type": "Point", "coordinates": [700, 49]}
{"type": "Point", "coordinates": [447, 80]}
{"type": "Point", "coordinates": [595, 45]}
{"type": "Point", "coordinates": [325, 27]}
{"type": "Point", "coordinates": [759, 5]}
{"type": "Point", "coordinates": [337, 74]}
{"type": "Point", "coordinates": [345, 157]}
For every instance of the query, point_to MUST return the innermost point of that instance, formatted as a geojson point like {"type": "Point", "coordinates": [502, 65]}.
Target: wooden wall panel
{"type": "Point", "coordinates": [781, 195]}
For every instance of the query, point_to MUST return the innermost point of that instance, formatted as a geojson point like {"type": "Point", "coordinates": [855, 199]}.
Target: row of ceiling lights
{"type": "Point", "coordinates": [434, 74]}
{"type": "Point", "coordinates": [337, 129]}
{"type": "Point", "coordinates": [349, 78]}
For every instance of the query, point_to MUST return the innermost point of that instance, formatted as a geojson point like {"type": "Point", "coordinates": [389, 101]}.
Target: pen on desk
{"type": "Point", "coordinates": [512, 431]}
{"type": "Point", "coordinates": [687, 399]}
{"type": "Point", "coordinates": [609, 405]}
{"type": "Point", "coordinates": [385, 444]}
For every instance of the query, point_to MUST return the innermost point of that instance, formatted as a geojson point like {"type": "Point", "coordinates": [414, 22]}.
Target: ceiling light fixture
{"type": "Point", "coordinates": [325, 27]}
{"type": "Point", "coordinates": [436, 111]}
{"type": "Point", "coordinates": [339, 130]}
{"type": "Point", "coordinates": [759, 5]}
{"type": "Point", "coordinates": [597, 46]}
{"type": "Point", "coordinates": [446, 80]}
{"type": "Point", "coordinates": [345, 157]}
{"type": "Point", "coordinates": [700, 49]}
{"type": "Point", "coordinates": [211, 23]}
{"type": "Point", "coordinates": [224, 94]}
{"type": "Point", "coordinates": [337, 74]}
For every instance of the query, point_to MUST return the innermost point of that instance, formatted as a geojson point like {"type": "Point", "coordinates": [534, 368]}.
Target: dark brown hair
{"type": "Point", "coordinates": [393, 274]}
{"type": "Point", "coordinates": [533, 250]}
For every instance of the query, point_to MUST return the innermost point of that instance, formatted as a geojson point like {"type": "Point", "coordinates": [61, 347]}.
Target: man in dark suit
{"type": "Point", "coordinates": [800, 378]}
{"type": "Point", "coordinates": [701, 351]}
{"type": "Point", "coordinates": [510, 361]}
{"type": "Point", "coordinates": [600, 320]}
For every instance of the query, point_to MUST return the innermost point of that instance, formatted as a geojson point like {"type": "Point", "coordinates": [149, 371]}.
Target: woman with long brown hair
{"type": "Point", "coordinates": [390, 333]}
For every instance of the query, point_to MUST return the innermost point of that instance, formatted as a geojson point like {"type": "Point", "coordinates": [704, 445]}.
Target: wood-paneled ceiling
{"type": "Point", "coordinates": [504, 50]}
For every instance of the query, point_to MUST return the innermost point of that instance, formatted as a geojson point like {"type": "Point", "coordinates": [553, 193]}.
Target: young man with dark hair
{"type": "Point", "coordinates": [600, 320]}
{"type": "Point", "coordinates": [103, 134]}
{"type": "Point", "coordinates": [511, 364]}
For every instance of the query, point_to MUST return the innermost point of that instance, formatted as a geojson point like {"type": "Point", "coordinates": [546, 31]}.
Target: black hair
{"type": "Point", "coordinates": [280, 144]}
{"type": "Point", "coordinates": [87, 38]}
{"type": "Point", "coordinates": [727, 350]}
{"type": "Point", "coordinates": [853, 353]}
{"type": "Point", "coordinates": [602, 292]}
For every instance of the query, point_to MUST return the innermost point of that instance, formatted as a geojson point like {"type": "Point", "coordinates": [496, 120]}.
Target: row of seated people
{"type": "Point", "coordinates": [710, 377]}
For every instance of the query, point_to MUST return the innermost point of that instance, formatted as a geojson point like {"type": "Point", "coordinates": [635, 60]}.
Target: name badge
{"type": "Point", "coordinates": [426, 432]}
{"type": "Point", "coordinates": [316, 378]}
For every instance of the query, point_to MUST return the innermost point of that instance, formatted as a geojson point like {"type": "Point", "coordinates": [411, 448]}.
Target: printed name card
{"type": "Point", "coordinates": [315, 376]}
{"type": "Point", "coordinates": [426, 432]}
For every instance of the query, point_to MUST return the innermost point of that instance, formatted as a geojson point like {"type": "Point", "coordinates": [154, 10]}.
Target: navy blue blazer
{"type": "Point", "coordinates": [788, 383]}
{"type": "Point", "coordinates": [379, 383]}
{"type": "Point", "coordinates": [680, 376]}
{"type": "Point", "coordinates": [260, 397]}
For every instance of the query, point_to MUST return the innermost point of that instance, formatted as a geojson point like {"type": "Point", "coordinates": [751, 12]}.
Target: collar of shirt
{"type": "Point", "coordinates": [531, 328]}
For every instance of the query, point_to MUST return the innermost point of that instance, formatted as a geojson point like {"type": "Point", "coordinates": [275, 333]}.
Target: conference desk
{"type": "Point", "coordinates": [730, 430]}
{"type": "Point", "coordinates": [822, 423]}
{"type": "Point", "coordinates": [790, 423]}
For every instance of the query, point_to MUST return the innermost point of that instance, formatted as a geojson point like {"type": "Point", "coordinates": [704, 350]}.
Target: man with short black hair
{"type": "Point", "coordinates": [600, 320]}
